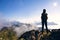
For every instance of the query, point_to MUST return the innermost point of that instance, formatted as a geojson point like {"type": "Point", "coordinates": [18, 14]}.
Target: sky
{"type": "Point", "coordinates": [29, 11]}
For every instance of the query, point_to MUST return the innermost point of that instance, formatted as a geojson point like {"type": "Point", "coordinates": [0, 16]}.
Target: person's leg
{"type": "Point", "coordinates": [46, 26]}
{"type": "Point", "coordinates": [42, 26]}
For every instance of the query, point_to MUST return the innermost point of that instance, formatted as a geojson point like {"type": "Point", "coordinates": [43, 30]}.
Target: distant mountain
{"type": "Point", "coordinates": [17, 24]}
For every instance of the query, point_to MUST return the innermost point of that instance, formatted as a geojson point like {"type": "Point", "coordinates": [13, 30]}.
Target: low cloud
{"type": "Point", "coordinates": [49, 23]}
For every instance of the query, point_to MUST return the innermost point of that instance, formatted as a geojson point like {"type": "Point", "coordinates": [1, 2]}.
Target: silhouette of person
{"type": "Point", "coordinates": [44, 20]}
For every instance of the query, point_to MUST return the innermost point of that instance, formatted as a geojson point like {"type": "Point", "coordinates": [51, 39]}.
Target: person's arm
{"type": "Point", "coordinates": [47, 16]}
{"type": "Point", "coordinates": [41, 16]}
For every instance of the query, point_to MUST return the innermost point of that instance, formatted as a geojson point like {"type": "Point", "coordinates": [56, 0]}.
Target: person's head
{"type": "Point", "coordinates": [44, 10]}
